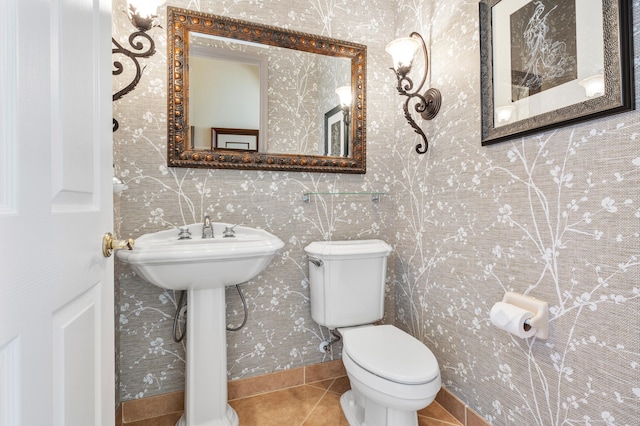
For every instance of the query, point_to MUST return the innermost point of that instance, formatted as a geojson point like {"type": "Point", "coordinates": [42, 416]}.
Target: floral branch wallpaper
{"type": "Point", "coordinates": [555, 216]}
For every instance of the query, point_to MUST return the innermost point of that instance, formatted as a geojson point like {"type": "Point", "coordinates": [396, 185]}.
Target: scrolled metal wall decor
{"type": "Point", "coordinates": [143, 24]}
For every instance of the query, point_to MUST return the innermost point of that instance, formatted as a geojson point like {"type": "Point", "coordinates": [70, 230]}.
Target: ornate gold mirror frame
{"type": "Point", "coordinates": [181, 22]}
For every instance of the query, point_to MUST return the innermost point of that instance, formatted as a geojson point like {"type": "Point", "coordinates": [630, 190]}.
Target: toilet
{"type": "Point", "coordinates": [392, 374]}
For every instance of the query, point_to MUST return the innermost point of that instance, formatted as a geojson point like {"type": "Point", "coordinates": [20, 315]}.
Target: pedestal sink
{"type": "Point", "coordinates": [204, 267]}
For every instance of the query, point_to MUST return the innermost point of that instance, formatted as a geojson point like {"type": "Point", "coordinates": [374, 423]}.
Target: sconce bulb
{"type": "Point", "coordinates": [344, 93]}
{"type": "Point", "coordinates": [593, 86]}
{"type": "Point", "coordinates": [142, 13]}
{"type": "Point", "coordinates": [403, 50]}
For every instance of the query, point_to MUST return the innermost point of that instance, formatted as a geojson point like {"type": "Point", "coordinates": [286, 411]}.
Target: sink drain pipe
{"type": "Point", "coordinates": [181, 315]}
{"type": "Point", "coordinates": [246, 310]}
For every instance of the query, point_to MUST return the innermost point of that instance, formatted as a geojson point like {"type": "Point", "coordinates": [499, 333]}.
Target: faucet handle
{"type": "Point", "coordinates": [184, 234]}
{"type": "Point", "coordinates": [229, 231]}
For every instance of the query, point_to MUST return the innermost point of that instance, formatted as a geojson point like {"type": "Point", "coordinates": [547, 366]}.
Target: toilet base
{"type": "Point", "coordinates": [359, 413]}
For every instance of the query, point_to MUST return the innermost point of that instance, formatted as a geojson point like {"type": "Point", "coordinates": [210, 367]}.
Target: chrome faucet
{"type": "Point", "coordinates": [207, 227]}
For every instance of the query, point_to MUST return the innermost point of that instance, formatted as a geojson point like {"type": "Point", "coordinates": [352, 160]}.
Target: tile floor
{"type": "Point", "coordinates": [313, 404]}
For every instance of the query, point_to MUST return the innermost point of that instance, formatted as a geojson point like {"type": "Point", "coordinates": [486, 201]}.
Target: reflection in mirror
{"type": "Point", "coordinates": [286, 98]}
{"type": "Point", "coordinates": [226, 90]}
{"type": "Point", "coordinates": [221, 94]}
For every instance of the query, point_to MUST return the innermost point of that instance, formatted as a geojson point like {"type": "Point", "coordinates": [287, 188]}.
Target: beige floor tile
{"type": "Point", "coordinates": [286, 407]}
{"type": "Point", "coordinates": [323, 384]}
{"type": "Point", "coordinates": [166, 420]}
{"type": "Point", "coordinates": [327, 413]}
{"type": "Point", "coordinates": [340, 385]}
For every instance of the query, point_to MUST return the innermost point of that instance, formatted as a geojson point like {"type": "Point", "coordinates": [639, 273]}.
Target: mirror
{"type": "Point", "coordinates": [289, 115]}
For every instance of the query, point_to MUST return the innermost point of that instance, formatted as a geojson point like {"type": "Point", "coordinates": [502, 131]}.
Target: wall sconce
{"type": "Point", "coordinates": [142, 14]}
{"type": "Point", "coordinates": [403, 52]}
{"type": "Point", "coordinates": [593, 86]}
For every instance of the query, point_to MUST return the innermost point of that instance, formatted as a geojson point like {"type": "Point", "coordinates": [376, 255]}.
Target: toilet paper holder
{"type": "Point", "coordinates": [540, 309]}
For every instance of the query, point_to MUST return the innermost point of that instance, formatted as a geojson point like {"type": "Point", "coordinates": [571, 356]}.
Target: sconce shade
{"type": "Point", "coordinates": [143, 13]}
{"type": "Point", "coordinates": [403, 50]}
{"type": "Point", "coordinates": [593, 86]}
{"type": "Point", "coordinates": [145, 7]}
{"type": "Point", "coordinates": [344, 93]}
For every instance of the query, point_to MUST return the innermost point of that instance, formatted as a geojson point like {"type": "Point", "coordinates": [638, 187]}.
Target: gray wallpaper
{"type": "Point", "coordinates": [280, 333]}
{"type": "Point", "coordinates": [555, 216]}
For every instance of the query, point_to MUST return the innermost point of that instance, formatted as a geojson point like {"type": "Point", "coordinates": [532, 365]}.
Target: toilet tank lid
{"type": "Point", "coordinates": [348, 248]}
{"type": "Point", "coordinates": [389, 352]}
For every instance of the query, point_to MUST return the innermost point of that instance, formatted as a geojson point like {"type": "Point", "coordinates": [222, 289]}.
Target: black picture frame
{"type": "Point", "coordinates": [336, 136]}
{"type": "Point", "coordinates": [520, 97]}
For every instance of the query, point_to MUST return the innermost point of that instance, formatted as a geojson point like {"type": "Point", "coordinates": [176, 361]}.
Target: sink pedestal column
{"type": "Point", "coordinates": [206, 366]}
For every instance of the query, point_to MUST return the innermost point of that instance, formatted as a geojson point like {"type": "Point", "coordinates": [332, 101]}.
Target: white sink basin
{"type": "Point", "coordinates": [201, 263]}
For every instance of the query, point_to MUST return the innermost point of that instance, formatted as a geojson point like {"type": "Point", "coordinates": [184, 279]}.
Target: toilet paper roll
{"type": "Point", "coordinates": [512, 318]}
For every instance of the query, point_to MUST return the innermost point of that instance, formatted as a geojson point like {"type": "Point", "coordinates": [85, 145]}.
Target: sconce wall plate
{"type": "Point", "coordinates": [427, 105]}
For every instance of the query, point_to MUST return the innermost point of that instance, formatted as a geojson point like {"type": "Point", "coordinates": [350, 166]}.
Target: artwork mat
{"type": "Point", "coordinates": [542, 111]}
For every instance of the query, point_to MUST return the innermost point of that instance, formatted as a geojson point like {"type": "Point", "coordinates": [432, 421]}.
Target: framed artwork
{"type": "Point", "coordinates": [335, 133]}
{"type": "Point", "coordinates": [239, 139]}
{"type": "Point", "coordinates": [551, 63]}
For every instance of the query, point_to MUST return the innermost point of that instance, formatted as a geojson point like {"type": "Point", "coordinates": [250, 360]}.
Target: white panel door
{"type": "Point", "coordinates": [56, 201]}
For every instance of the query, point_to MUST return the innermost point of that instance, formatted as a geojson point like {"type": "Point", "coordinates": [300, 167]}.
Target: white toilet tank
{"type": "Point", "coordinates": [346, 280]}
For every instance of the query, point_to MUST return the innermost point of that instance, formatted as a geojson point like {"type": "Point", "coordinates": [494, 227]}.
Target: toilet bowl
{"type": "Point", "coordinates": [392, 375]}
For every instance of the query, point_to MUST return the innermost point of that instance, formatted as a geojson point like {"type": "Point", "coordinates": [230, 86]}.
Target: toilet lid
{"type": "Point", "coordinates": [389, 352]}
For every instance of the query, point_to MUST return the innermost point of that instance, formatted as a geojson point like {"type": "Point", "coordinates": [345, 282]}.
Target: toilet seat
{"type": "Point", "coordinates": [390, 353]}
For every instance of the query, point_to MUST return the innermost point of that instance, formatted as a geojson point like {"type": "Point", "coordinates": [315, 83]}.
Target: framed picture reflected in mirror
{"type": "Point", "coordinates": [238, 139]}
{"type": "Point", "coordinates": [335, 133]}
